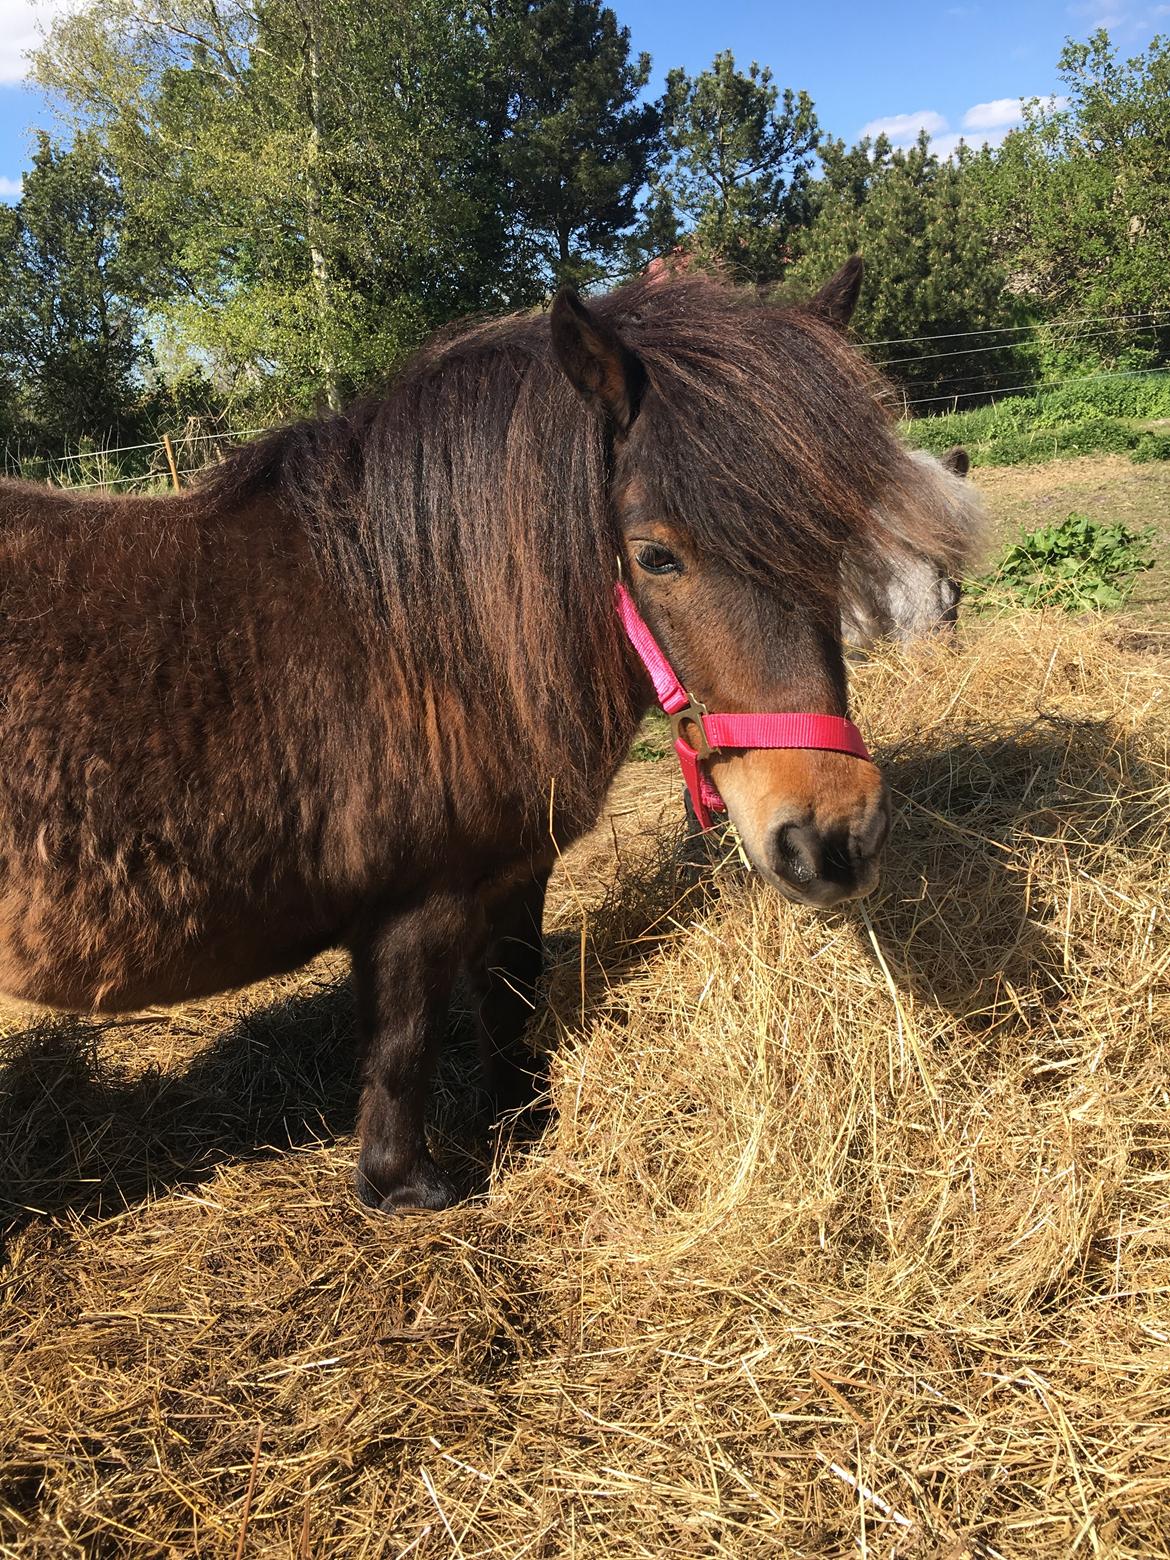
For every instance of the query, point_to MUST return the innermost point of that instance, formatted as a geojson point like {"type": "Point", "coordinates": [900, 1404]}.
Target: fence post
{"type": "Point", "coordinates": [171, 461]}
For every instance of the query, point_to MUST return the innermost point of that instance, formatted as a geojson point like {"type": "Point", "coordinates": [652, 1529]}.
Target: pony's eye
{"type": "Point", "coordinates": [658, 560]}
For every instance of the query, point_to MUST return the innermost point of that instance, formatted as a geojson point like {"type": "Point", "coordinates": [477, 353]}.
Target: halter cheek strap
{"type": "Point", "coordinates": [832, 733]}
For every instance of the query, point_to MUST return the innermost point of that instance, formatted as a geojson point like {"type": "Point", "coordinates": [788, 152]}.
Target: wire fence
{"type": "Point", "coordinates": [95, 466]}
{"type": "Point", "coordinates": [1040, 384]}
{"type": "Point", "coordinates": [1036, 326]}
{"type": "Point", "coordinates": [1132, 331]}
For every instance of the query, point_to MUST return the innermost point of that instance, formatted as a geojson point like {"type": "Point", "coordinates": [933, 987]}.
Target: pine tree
{"type": "Point", "coordinates": [576, 141]}
{"type": "Point", "coordinates": [72, 350]}
{"type": "Point", "coordinates": [920, 224]}
{"type": "Point", "coordinates": [737, 172]}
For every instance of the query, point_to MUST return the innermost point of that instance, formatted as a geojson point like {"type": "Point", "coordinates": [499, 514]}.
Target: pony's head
{"type": "Point", "coordinates": [908, 592]}
{"type": "Point", "coordinates": [750, 455]}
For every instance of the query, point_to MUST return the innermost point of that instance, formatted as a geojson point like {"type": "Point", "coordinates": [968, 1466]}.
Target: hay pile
{"type": "Point", "coordinates": [852, 1236]}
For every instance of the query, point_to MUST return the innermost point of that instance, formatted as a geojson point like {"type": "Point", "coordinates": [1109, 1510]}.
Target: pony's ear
{"type": "Point", "coordinates": [596, 360]}
{"type": "Point", "coordinates": [837, 299]}
{"type": "Point", "coordinates": [957, 460]}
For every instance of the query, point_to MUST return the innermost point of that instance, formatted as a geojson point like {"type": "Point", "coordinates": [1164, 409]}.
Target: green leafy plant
{"type": "Point", "coordinates": [1079, 564]}
{"type": "Point", "coordinates": [1104, 417]}
{"type": "Point", "coordinates": [1151, 446]}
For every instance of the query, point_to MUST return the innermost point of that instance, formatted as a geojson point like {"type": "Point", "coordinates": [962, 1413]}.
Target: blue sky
{"type": "Point", "coordinates": [957, 68]}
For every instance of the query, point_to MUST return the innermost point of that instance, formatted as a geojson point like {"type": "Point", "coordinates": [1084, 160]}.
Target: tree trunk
{"type": "Point", "coordinates": [322, 270]}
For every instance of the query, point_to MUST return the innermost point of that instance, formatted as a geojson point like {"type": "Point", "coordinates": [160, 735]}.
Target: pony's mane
{"type": "Point", "coordinates": [959, 508]}
{"type": "Point", "coordinates": [897, 592]}
{"type": "Point", "coordinates": [470, 509]}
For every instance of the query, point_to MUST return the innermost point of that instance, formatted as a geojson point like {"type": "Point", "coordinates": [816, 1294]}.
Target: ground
{"type": "Point", "coordinates": [849, 1235]}
{"type": "Point", "coordinates": [1107, 487]}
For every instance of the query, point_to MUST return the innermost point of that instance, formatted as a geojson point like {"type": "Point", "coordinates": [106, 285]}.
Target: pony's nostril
{"type": "Point", "coordinates": [827, 866]}
{"type": "Point", "coordinates": [795, 855]}
{"type": "Point", "coordinates": [871, 837]}
{"type": "Point", "coordinates": [838, 859]}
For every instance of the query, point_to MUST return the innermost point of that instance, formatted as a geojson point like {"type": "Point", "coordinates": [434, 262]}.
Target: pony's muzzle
{"type": "Point", "coordinates": [825, 865]}
{"type": "Point", "coordinates": [812, 823]}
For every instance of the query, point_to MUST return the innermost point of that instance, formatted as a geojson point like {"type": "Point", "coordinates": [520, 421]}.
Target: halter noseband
{"type": "Point", "coordinates": [832, 733]}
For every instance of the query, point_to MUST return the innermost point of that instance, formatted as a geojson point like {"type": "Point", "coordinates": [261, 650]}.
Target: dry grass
{"type": "Point", "coordinates": [851, 1237]}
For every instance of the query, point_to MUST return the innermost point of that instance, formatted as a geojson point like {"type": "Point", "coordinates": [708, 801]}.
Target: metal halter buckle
{"type": "Point", "coordinates": [693, 712]}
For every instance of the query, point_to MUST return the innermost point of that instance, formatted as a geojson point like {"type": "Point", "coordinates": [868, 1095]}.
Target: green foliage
{"type": "Point", "coordinates": [1077, 565]}
{"type": "Point", "coordinates": [1101, 417]}
{"type": "Point", "coordinates": [1136, 395]}
{"type": "Point", "coordinates": [929, 267]}
{"type": "Point", "coordinates": [1151, 447]}
{"type": "Point", "coordinates": [267, 207]}
{"type": "Point", "coordinates": [309, 186]}
{"type": "Point", "coordinates": [653, 740]}
{"type": "Point", "coordinates": [1077, 202]}
{"type": "Point", "coordinates": [735, 172]}
{"type": "Point", "coordinates": [72, 350]}
{"type": "Point", "coordinates": [577, 143]}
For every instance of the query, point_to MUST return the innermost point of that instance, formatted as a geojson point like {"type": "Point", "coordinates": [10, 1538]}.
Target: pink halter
{"type": "Point", "coordinates": [832, 733]}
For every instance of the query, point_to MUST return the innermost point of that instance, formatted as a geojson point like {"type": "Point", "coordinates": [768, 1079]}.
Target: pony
{"type": "Point", "coordinates": [908, 595]}
{"type": "Point", "coordinates": [360, 685]}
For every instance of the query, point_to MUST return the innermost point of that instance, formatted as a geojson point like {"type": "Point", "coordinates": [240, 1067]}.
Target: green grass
{"type": "Point", "coordinates": [1106, 416]}
{"type": "Point", "coordinates": [653, 739]}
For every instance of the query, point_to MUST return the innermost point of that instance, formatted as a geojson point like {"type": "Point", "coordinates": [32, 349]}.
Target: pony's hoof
{"type": "Point", "coordinates": [425, 1188]}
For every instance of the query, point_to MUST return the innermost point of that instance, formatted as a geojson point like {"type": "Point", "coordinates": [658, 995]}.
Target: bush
{"type": "Point", "coordinates": [1078, 565]}
{"type": "Point", "coordinates": [1152, 446]}
{"type": "Point", "coordinates": [1096, 435]}
{"type": "Point", "coordinates": [1132, 395]}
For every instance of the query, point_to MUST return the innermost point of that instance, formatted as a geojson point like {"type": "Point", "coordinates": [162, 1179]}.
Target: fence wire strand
{"type": "Point", "coordinates": [1007, 346]}
{"type": "Point", "coordinates": [1040, 384]}
{"type": "Point", "coordinates": [1153, 320]}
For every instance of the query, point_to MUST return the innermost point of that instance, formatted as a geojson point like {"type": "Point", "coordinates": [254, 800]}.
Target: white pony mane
{"type": "Point", "coordinates": [905, 593]}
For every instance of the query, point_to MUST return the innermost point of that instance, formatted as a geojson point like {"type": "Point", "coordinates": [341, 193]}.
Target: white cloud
{"type": "Point", "coordinates": [984, 124]}
{"type": "Point", "coordinates": [991, 116]}
{"type": "Point", "coordinates": [22, 23]}
{"type": "Point", "coordinates": [1133, 22]}
{"type": "Point", "coordinates": [903, 129]}
{"type": "Point", "coordinates": [10, 188]}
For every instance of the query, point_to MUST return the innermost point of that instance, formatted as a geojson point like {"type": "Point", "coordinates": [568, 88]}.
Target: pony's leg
{"type": "Point", "coordinates": [403, 969]}
{"type": "Point", "coordinates": [507, 980]}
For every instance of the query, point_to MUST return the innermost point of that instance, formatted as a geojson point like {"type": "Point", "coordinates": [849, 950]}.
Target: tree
{"type": "Point", "coordinates": [576, 143]}
{"type": "Point", "coordinates": [72, 350]}
{"type": "Point", "coordinates": [1078, 200]}
{"type": "Point", "coordinates": [736, 174]}
{"type": "Point", "coordinates": [308, 182]}
{"type": "Point", "coordinates": [9, 380]}
{"type": "Point", "coordinates": [930, 271]}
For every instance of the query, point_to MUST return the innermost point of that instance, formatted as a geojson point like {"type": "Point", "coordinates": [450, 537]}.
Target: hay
{"type": "Point", "coordinates": [851, 1235]}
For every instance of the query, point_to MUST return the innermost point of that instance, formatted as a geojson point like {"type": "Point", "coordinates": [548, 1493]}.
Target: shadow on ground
{"type": "Point", "coordinates": [957, 917]}
{"type": "Point", "coordinates": [82, 1134]}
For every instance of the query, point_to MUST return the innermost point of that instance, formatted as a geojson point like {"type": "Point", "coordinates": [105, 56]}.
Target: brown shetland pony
{"type": "Point", "coordinates": [358, 686]}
